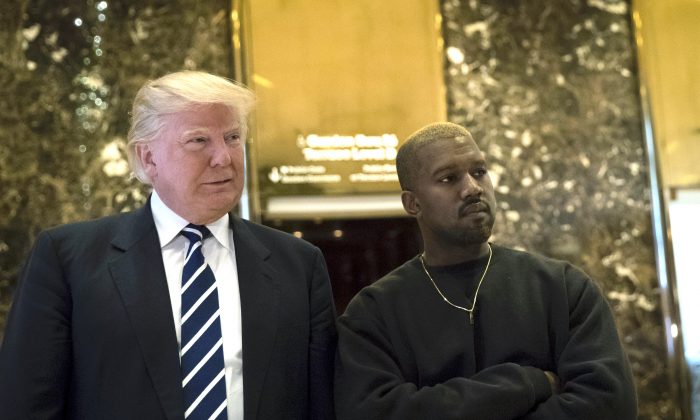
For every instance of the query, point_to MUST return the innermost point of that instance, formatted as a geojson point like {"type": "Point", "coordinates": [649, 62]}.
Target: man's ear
{"type": "Point", "coordinates": [145, 156]}
{"type": "Point", "coordinates": [410, 203]}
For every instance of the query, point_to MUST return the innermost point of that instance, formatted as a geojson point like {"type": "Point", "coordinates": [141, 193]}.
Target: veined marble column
{"type": "Point", "coordinates": [550, 90]}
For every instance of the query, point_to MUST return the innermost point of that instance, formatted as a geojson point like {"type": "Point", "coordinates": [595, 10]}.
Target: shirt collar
{"type": "Point", "coordinates": [169, 224]}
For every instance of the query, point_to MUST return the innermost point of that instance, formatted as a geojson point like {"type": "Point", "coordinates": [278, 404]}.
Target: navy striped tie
{"type": "Point", "coordinates": [201, 345]}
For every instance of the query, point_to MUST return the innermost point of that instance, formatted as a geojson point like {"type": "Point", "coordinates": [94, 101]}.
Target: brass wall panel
{"type": "Point", "coordinates": [340, 70]}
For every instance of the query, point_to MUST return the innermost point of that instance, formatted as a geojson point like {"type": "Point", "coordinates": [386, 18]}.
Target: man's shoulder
{"type": "Point", "coordinates": [535, 265]}
{"type": "Point", "coordinates": [524, 258]}
{"type": "Point", "coordinates": [400, 283]}
{"type": "Point", "coordinates": [398, 277]}
{"type": "Point", "coordinates": [270, 236]}
{"type": "Point", "coordinates": [98, 226]}
{"type": "Point", "coordinates": [96, 238]}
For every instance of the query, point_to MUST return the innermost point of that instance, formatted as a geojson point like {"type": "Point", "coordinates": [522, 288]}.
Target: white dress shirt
{"type": "Point", "coordinates": [220, 254]}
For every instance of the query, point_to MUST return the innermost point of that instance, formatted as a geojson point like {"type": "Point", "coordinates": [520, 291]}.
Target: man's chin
{"type": "Point", "coordinates": [477, 236]}
{"type": "Point", "coordinates": [221, 203]}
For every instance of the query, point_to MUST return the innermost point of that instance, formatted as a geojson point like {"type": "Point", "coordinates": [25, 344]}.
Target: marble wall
{"type": "Point", "coordinates": [68, 72]}
{"type": "Point", "coordinates": [550, 90]}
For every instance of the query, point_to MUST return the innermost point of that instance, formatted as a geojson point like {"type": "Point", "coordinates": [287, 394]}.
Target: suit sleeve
{"type": "Point", "coordinates": [36, 354]}
{"type": "Point", "coordinates": [370, 384]}
{"type": "Point", "coordinates": [593, 370]}
{"type": "Point", "coordinates": [322, 345]}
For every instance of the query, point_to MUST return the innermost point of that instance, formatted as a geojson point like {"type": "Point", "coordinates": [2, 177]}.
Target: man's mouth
{"type": "Point", "coordinates": [474, 207]}
{"type": "Point", "coordinates": [219, 182]}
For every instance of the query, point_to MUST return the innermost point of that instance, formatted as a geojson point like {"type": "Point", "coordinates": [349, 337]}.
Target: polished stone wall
{"type": "Point", "coordinates": [68, 72]}
{"type": "Point", "coordinates": [550, 90]}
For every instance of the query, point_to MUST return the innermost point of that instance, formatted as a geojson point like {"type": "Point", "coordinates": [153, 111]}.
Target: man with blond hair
{"type": "Point", "coordinates": [179, 309]}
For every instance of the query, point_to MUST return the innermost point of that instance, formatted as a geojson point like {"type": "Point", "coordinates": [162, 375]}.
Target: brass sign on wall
{"type": "Point", "coordinates": [339, 85]}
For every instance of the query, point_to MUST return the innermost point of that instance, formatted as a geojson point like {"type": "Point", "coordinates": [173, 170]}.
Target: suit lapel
{"type": "Point", "coordinates": [259, 292]}
{"type": "Point", "coordinates": [139, 276]}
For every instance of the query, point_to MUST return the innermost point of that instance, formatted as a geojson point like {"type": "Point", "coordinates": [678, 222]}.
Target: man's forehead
{"type": "Point", "coordinates": [196, 118]}
{"type": "Point", "coordinates": [441, 152]}
{"type": "Point", "coordinates": [451, 143]}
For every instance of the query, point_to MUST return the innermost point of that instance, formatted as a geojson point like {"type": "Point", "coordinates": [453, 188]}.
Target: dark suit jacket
{"type": "Point", "coordinates": [91, 333]}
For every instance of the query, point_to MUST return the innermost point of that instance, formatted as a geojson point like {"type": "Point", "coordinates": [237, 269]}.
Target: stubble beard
{"type": "Point", "coordinates": [476, 236]}
{"type": "Point", "coordinates": [460, 237]}
{"type": "Point", "coordinates": [466, 238]}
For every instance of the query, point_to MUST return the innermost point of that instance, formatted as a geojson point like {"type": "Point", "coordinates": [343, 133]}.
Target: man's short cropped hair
{"type": "Point", "coordinates": [407, 162]}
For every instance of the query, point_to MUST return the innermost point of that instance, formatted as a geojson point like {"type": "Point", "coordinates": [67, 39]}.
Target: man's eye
{"type": "Point", "coordinates": [233, 137]}
{"type": "Point", "coordinates": [197, 140]}
{"type": "Point", "coordinates": [479, 173]}
{"type": "Point", "coordinates": [447, 179]}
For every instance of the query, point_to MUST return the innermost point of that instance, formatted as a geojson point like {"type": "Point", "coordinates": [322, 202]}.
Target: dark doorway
{"type": "Point", "coordinates": [358, 252]}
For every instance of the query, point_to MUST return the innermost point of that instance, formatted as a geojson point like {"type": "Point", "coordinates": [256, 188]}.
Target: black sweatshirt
{"type": "Point", "coordinates": [404, 353]}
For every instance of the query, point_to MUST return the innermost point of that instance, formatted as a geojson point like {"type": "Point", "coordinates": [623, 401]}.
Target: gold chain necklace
{"type": "Point", "coordinates": [470, 311]}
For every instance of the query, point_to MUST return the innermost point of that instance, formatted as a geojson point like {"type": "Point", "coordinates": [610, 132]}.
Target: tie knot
{"type": "Point", "coordinates": [195, 233]}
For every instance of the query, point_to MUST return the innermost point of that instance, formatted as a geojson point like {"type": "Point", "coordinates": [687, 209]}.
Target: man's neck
{"type": "Point", "coordinates": [438, 255]}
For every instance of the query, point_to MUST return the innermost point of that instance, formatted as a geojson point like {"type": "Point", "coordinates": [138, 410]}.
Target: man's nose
{"type": "Point", "coordinates": [470, 187]}
{"type": "Point", "coordinates": [220, 153]}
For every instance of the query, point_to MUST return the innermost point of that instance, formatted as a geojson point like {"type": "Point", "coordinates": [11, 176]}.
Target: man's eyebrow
{"type": "Point", "coordinates": [444, 168]}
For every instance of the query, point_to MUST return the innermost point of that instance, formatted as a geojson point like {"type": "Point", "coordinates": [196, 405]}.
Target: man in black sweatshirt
{"type": "Point", "coordinates": [470, 329]}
